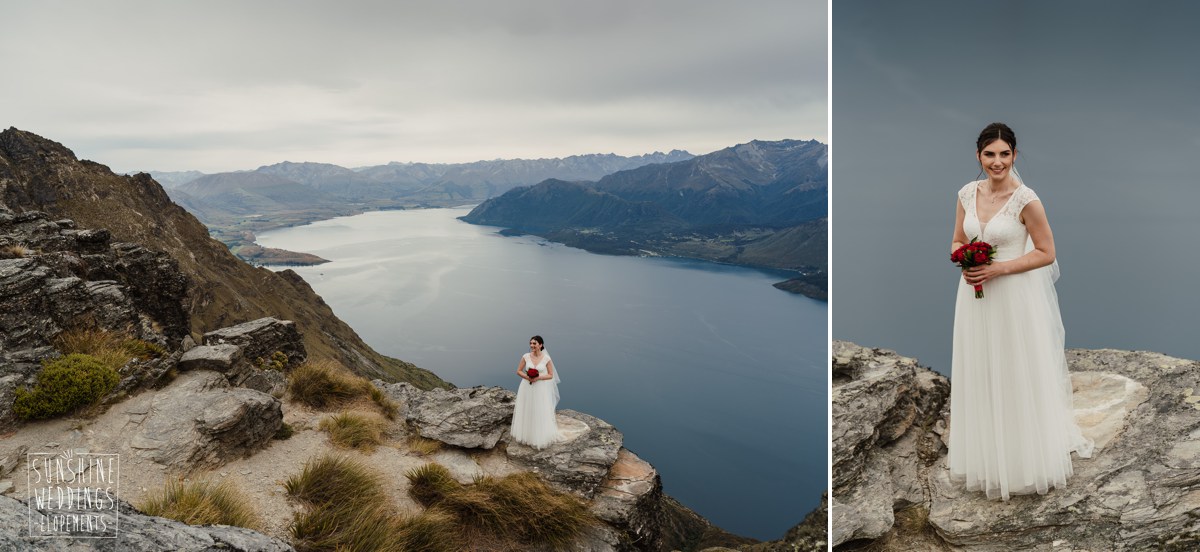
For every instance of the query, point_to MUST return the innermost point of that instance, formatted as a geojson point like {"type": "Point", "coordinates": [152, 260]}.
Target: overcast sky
{"type": "Point", "coordinates": [218, 86]}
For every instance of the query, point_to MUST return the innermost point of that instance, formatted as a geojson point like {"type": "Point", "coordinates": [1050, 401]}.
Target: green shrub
{"type": "Point", "coordinates": [202, 503]}
{"type": "Point", "coordinates": [354, 430]}
{"type": "Point", "coordinates": [430, 484]}
{"type": "Point", "coordinates": [64, 385]}
{"type": "Point", "coordinates": [277, 362]}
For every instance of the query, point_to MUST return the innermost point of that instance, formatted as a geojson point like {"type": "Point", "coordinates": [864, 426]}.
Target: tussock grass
{"type": "Point", "coordinates": [354, 430]}
{"type": "Point", "coordinates": [387, 406]}
{"type": "Point", "coordinates": [334, 479]}
{"type": "Point", "coordinates": [518, 508]}
{"type": "Point", "coordinates": [431, 483]}
{"type": "Point", "coordinates": [348, 511]}
{"type": "Point", "coordinates": [15, 251]}
{"type": "Point", "coordinates": [202, 503]}
{"type": "Point", "coordinates": [114, 349]}
{"type": "Point", "coordinates": [432, 531]}
{"type": "Point", "coordinates": [284, 432]}
{"type": "Point", "coordinates": [326, 384]}
{"type": "Point", "coordinates": [422, 445]}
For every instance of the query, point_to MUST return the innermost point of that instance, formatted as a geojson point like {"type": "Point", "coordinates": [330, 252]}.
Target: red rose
{"type": "Point", "coordinates": [980, 258]}
{"type": "Point", "coordinates": [956, 257]}
{"type": "Point", "coordinates": [532, 373]}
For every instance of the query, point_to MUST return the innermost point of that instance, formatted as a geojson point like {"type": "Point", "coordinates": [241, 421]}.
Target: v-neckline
{"type": "Point", "coordinates": [535, 361]}
{"type": "Point", "coordinates": [982, 224]}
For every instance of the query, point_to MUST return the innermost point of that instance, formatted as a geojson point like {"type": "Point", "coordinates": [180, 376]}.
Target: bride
{"type": "Point", "coordinates": [533, 416]}
{"type": "Point", "coordinates": [1012, 427]}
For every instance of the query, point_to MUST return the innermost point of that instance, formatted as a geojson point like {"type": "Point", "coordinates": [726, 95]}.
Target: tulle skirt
{"type": "Point", "coordinates": [1012, 425]}
{"type": "Point", "coordinates": [533, 416]}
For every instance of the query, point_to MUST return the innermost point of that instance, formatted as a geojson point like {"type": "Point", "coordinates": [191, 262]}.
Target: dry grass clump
{"type": "Point", "coordinates": [518, 508]}
{"type": "Point", "coordinates": [387, 406]}
{"type": "Point", "coordinates": [423, 445]}
{"type": "Point", "coordinates": [327, 384]}
{"type": "Point", "coordinates": [348, 511]}
{"type": "Point", "coordinates": [15, 251]}
{"type": "Point", "coordinates": [431, 483]}
{"type": "Point", "coordinates": [354, 430]}
{"type": "Point", "coordinates": [114, 349]}
{"type": "Point", "coordinates": [202, 503]}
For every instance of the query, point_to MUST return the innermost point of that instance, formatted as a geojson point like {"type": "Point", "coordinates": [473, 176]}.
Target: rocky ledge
{"type": "Point", "coordinates": [1139, 491]}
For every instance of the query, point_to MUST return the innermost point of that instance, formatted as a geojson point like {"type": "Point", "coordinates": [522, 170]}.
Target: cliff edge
{"type": "Point", "coordinates": [1139, 491]}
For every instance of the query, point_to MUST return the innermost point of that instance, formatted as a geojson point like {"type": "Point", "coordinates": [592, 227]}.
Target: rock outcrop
{"type": "Point", "coordinates": [623, 490]}
{"type": "Point", "coordinates": [135, 531]}
{"type": "Point", "coordinates": [885, 408]}
{"type": "Point", "coordinates": [55, 277]}
{"type": "Point", "coordinates": [201, 422]}
{"type": "Point", "coordinates": [253, 354]}
{"type": "Point", "coordinates": [476, 417]}
{"type": "Point", "coordinates": [1139, 491]}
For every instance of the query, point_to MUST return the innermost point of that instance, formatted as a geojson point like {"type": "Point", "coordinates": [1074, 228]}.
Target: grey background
{"type": "Point", "coordinates": [1102, 97]}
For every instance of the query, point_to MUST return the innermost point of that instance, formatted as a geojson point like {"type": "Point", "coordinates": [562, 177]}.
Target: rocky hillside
{"type": "Point", "coordinates": [758, 204]}
{"type": "Point", "coordinates": [42, 175]}
{"type": "Point", "coordinates": [1140, 490]}
{"type": "Point", "coordinates": [222, 410]}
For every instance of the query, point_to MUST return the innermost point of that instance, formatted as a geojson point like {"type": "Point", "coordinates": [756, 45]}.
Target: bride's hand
{"type": "Point", "coordinates": [979, 274]}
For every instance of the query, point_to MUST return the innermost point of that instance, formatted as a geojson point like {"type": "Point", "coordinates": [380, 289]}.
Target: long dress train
{"type": "Point", "coordinates": [1012, 426]}
{"type": "Point", "coordinates": [533, 415]}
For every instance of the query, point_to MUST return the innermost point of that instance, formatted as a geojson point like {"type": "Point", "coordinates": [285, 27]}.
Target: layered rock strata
{"type": "Point", "coordinates": [1139, 491]}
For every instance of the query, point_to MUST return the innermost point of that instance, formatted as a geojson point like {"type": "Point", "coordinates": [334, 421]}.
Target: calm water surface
{"type": "Point", "coordinates": [712, 375]}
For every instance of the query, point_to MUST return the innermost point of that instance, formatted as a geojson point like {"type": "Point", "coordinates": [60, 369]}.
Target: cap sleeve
{"type": "Point", "coordinates": [1025, 196]}
{"type": "Point", "coordinates": [966, 194]}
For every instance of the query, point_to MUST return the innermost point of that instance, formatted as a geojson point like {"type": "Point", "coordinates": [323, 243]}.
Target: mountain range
{"type": "Point", "coordinates": [763, 203]}
{"type": "Point", "coordinates": [236, 205]}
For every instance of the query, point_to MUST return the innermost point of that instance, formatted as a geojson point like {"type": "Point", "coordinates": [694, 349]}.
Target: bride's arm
{"type": "Point", "coordinates": [549, 370]}
{"type": "Point", "coordinates": [521, 370]}
{"type": "Point", "coordinates": [960, 237]}
{"type": "Point", "coordinates": [1034, 217]}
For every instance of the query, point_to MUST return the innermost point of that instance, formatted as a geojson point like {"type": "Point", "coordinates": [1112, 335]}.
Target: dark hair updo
{"type": "Point", "coordinates": [993, 132]}
{"type": "Point", "coordinates": [540, 341]}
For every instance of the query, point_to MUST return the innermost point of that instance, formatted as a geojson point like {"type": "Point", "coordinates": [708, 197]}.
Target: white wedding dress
{"type": "Point", "coordinates": [1012, 426]}
{"type": "Point", "coordinates": [533, 420]}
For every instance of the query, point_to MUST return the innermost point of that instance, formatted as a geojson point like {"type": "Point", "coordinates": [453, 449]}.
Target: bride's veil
{"type": "Point", "coordinates": [1049, 275]}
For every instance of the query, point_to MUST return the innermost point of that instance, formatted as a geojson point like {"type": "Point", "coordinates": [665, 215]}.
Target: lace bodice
{"type": "Point", "coordinates": [1004, 231]}
{"type": "Point", "coordinates": [541, 366]}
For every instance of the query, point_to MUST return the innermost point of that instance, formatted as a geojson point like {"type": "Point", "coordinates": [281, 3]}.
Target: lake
{"type": "Point", "coordinates": [713, 376]}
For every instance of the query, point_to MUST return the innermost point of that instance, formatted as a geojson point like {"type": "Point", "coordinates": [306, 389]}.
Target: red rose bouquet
{"type": "Point", "coordinates": [532, 373]}
{"type": "Point", "coordinates": [975, 253]}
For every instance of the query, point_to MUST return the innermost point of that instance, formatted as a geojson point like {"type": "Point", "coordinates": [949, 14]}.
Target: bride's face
{"type": "Point", "coordinates": [997, 159]}
{"type": "Point", "coordinates": [534, 346]}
